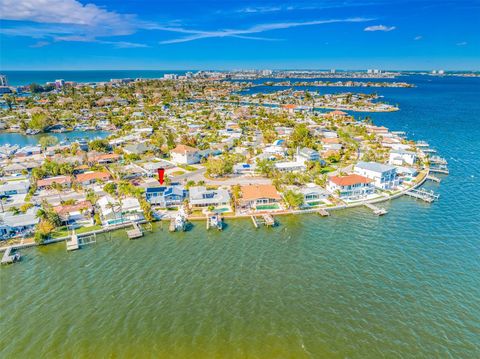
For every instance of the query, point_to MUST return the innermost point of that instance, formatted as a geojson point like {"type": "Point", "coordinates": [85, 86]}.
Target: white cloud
{"type": "Point", "coordinates": [463, 43]}
{"type": "Point", "coordinates": [419, 37]}
{"type": "Point", "coordinates": [379, 28]}
{"type": "Point", "coordinates": [243, 33]}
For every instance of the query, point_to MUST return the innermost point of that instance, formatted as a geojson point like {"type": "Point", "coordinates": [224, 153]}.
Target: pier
{"type": "Point", "coordinates": [433, 178]}
{"type": "Point", "coordinates": [214, 221]}
{"type": "Point", "coordinates": [438, 160]}
{"type": "Point", "coordinates": [265, 219]}
{"type": "Point", "coordinates": [377, 210]}
{"type": "Point", "coordinates": [171, 226]}
{"type": "Point", "coordinates": [323, 212]}
{"type": "Point", "coordinates": [440, 169]}
{"type": "Point", "coordinates": [254, 220]}
{"type": "Point", "coordinates": [8, 257]}
{"type": "Point", "coordinates": [135, 232]}
{"type": "Point", "coordinates": [72, 242]}
{"type": "Point", "coordinates": [424, 195]}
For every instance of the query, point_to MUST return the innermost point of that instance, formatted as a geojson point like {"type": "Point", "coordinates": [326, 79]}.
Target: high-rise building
{"type": "Point", "coordinates": [3, 80]}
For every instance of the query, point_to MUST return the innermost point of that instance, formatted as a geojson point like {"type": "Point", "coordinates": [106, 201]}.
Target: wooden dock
{"type": "Point", "coordinates": [433, 178]}
{"type": "Point", "coordinates": [254, 220]}
{"type": "Point", "coordinates": [8, 257]}
{"type": "Point", "coordinates": [171, 226]}
{"type": "Point", "coordinates": [323, 212]}
{"type": "Point", "coordinates": [377, 210]}
{"type": "Point", "coordinates": [438, 160]}
{"type": "Point", "coordinates": [135, 232]}
{"type": "Point", "coordinates": [268, 220]}
{"type": "Point", "coordinates": [422, 194]}
{"type": "Point", "coordinates": [440, 169]}
{"type": "Point", "coordinates": [72, 243]}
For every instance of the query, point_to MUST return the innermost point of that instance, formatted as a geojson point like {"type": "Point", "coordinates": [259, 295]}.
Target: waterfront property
{"type": "Point", "coordinates": [259, 197]}
{"type": "Point", "coordinates": [202, 197]}
{"type": "Point", "coordinates": [121, 210]}
{"type": "Point", "coordinates": [17, 225]}
{"type": "Point", "coordinates": [165, 196]}
{"type": "Point", "coordinates": [350, 187]}
{"type": "Point", "coordinates": [383, 176]}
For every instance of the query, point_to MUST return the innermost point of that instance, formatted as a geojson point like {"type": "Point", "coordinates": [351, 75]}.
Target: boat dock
{"type": "Point", "coordinates": [422, 144]}
{"type": "Point", "coordinates": [214, 221]}
{"type": "Point", "coordinates": [72, 242]}
{"type": "Point", "coordinates": [377, 210]}
{"type": "Point", "coordinates": [323, 212]}
{"type": "Point", "coordinates": [438, 160]}
{"type": "Point", "coordinates": [171, 226]}
{"type": "Point", "coordinates": [265, 219]}
{"type": "Point", "coordinates": [429, 150]}
{"type": "Point", "coordinates": [424, 195]}
{"type": "Point", "coordinates": [8, 257]}
{"type": "Point", "coordinates": [441, 169]}
{"type": "Point", "coordinates": [135, 232]}
{"type": "Point", "coordinates": [433, 178]}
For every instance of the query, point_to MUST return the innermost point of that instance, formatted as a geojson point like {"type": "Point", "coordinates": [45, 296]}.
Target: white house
{"type": "Point", "coordinates": [14, 187]}
{"type": "Point", "coordinates": [186, 155]}
{"type": "Point", "coordinates": [15, 225]}
{"type": "Point", "coordinates": [165, 196]}
{"type": "Point", "coordinates": [401, 157]}
{"type": "Point", "coordinates": [307, 154]}
{"type": "Point", "coordinates": [384, 176]}
{"type": "Point", "coordinates": [350, 187]}
{"type": "Point", "coordinates": [290, 166]}
{"type": "Point", "coordinates": [119, 211]}
{"type": "Point", "coordinates": [201, 197]}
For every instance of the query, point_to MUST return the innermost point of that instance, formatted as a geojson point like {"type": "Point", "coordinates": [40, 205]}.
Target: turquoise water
{"type": "Point", "coordinates": [24, 140]}
{"type": "Point", "coordinates": [351, 285]}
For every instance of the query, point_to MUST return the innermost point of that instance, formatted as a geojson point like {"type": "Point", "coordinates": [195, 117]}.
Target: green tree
{"type": "Point", "coordinates": [47, 141]}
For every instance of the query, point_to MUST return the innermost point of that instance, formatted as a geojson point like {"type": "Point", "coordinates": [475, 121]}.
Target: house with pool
{"type": "Point", "coordinates": [261, 197]}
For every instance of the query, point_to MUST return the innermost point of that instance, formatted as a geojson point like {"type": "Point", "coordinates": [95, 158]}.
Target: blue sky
{"type": "Point", "coordinates": [189, 34]}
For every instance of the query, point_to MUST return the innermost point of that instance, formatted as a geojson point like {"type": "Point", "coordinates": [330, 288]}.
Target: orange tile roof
{"type": "Point", "coordinates": [49, 181]}
{"type": "Point", "coordinates": [88, 176]}
{"type": "Point", "coordinates": [182, 149]}
{"type": "Point", "coordinates": [330, 140]}
{"type": "Point", "coordinates": [349, 180]}
{"type": "Point", "coordinates": [289, 106]}
{"type": "Point", "coordinates": [337, 113]}
{"type": "Point", "coordinates": [63, 210]}
{"type": "Point", "coordinates": [253, 192]}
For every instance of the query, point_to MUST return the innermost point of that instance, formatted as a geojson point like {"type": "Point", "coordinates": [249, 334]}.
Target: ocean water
{"type": "Point", "coordinates": [352, 285]}
{"type": "Point", "coordinates": [26, 140]}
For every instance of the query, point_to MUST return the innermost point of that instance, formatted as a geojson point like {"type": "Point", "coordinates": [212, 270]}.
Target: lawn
{"type": "Point", "coordinates": [177, 173]}
{"type": "Point", "coordinates": [188, 167]}
{"type": "Point", "coordinates": [62, 231]}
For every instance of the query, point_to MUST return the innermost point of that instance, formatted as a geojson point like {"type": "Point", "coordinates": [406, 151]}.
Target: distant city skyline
{"type": "Point", "coordinates": [224, 35]}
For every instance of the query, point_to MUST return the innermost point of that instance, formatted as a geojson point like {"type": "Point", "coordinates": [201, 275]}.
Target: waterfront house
{"type": "Point", "coordinates": [76, 215]}
{"type": "Point", "coordinates": [384, 176]}
{"type": "Point", "coordinates": [260, 197]}
{"type": "Point", "coordinates": [17, 225]}
{"type": "Point", "coordinates": [64, 181]}
{"type": "Point", "coordinates": [401, 157]}
{"type": "Point", "coordinates": [183, 154]}
{"type": "Point", "coordinates": [138, 148]}
{"type": "Point", "coordinates": [350, 187]}
{"type": "Point", "coordinates": [313, 194]}
{"type": "Point", "coordinates": [165, 196]}
{"type": "Point", "coordinates": [115, 211]}
{"type": "Point", "coordinates": [201, 197]}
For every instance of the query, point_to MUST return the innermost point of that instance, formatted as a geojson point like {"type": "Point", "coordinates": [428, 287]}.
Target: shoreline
{"type": "Point", "coordinates": [241, 216]}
